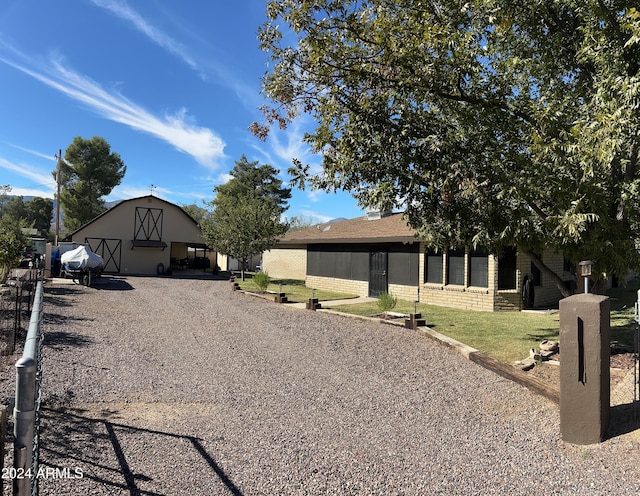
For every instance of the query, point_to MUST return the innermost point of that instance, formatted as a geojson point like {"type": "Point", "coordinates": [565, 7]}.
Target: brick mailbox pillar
{"type": "Point", "coordinates": [584, 371]}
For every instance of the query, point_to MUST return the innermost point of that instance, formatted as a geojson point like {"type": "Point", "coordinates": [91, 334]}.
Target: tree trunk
{"type": "Point", "coordinates": [546, 270]}
{"type": "Point", "coordinates": [243, 267]}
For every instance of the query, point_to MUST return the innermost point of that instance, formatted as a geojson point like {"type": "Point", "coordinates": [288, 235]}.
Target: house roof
{"type": "Point", "coordinates": [390, 228]}
{"type": "Point", "coordinates": [69, 236]}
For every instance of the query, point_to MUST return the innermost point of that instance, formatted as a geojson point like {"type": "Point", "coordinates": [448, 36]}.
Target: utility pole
{"type": "Point", "coordinates": [58, 178]}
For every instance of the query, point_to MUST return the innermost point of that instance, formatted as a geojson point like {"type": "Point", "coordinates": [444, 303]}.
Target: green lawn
{"type": "Point", "coordinates": [508, 336]}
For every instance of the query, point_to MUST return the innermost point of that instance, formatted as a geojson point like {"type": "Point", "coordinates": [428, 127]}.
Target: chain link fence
{"type": "Point", "coordinates": [625, 375]}
{"type": "Point", "coordinates": [26, 412]}
{"type": "Point", "coordinates": [21, 316]}
{"type": "Point", "coordinates": [16, 300]}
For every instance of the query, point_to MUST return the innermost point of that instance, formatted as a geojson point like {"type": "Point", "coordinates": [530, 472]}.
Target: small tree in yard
{"type": "Point", "coordinates": [387, 302]}
{"type": "Point", "coordinates": [262, 280]}
{"type": "Point", "coordinates": [247, 211]}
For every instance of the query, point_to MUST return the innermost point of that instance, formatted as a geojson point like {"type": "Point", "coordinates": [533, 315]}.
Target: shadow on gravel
{"type": "Point", "coordinates": [622, 420]}
{"type": "Point", "coordinates": [61, 339]}
{"type": "Point", "coordinates": [60, 291]}
{"type": "Point", "coordinates": [98, 446]}
{"type": "Point", "coordinates": [57, 319]}
{"type": "Point", "coordinates": [111, 284]}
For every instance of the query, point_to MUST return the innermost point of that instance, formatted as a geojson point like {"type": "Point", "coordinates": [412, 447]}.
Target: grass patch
{"type": "Point", "coordinates": [295, 290]}
{"type": "Point", "coordinates": [623, 325]}
{"type": "Point", "coordinates": [508, 336]}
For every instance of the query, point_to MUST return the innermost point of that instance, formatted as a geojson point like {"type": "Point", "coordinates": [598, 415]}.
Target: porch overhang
{"type": "Point", "coordinates": [148, 243]}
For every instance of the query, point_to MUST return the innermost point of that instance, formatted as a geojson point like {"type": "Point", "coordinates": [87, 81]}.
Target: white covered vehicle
{"type": "Point", "coordinates": [82, 264]}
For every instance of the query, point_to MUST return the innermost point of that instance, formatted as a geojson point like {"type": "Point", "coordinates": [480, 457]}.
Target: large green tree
{"type": "Point", "coordinates": [492, 122]}
{"type": "Point", "coordinates": [36, 213]}
{"type": "Point", "coordinates": [247, 212]}
{"type": "Point", "coordinates": [88, 172]}
{"type": "Point", "coordinates": [40, 214]}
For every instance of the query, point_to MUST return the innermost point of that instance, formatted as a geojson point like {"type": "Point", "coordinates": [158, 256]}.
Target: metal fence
{"type": "Point", "coordinates": [26, 412]}
{"type": "Point", "coordinates": [625, 373]}
{"type": "Point", "coordinates": [16, 298]}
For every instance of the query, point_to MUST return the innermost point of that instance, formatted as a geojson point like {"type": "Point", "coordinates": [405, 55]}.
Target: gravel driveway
{"type": "Point", "coordinates": [182, 387]}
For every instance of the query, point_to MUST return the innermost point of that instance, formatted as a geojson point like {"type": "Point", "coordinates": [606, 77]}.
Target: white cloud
{"type": "Point", "coordinates": [31, 192]}
{"type": "Point", "coordinates": [199, 142]}
{"type": "Point", "coordinates": [160, 38]}
{"type": "Point", "coordinates": [43, 179]}
{"type": "Point", "coordinates": [33, 152]}
{"type": "Point", "coordinates": [289, 144]}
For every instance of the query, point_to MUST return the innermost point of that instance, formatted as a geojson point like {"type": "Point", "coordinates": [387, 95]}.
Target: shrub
{"type": "Point", "coordinates": [12, 244]}
{"type": "Point", "coordinates": [386, 301]}
{"type": "Point", "coordinates": [262, 280]}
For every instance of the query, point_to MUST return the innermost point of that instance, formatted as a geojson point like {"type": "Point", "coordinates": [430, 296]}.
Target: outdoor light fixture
{"type": "Point", "coordinates": [585, 271]}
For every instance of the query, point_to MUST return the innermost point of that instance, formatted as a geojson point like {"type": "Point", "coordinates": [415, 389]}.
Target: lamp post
{"type": "Point", "coordinates": [585, 271]}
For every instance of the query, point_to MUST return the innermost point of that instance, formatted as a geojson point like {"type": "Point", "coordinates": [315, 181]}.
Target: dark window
{"type": "Point", "coordinates": [404, 263]}
{"type": "Point", "coordinates": [339, 261]}
{"type": "Point", "coordinates": [342, 258]}
{"type": "Point", "coordinates": [507, 269]}
{"type": "Point", "coordinates": [433, 267]}
{"type": "Point", "coordinates": [314, 265]}
{"type": "Point", "coordinates": [455, 266]}
{"type": "Point", "coordinates": [479, 268]}
{"type": "Point", "coordinates": [360, 263]}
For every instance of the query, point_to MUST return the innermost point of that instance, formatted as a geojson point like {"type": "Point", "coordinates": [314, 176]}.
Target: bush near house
{"type": "Point", "coordinates": [262, 280]}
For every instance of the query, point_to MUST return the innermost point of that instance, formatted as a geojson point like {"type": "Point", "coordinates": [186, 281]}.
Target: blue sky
{"type": "Point", "coordinates": [172, 86]}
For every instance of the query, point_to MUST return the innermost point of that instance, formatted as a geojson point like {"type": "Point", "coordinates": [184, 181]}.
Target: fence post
{"type": "Point", "coordinates": [3, 429]}
{"type": "Point", "coordinates": [24, 414]}
{"type": "Point", "coordinates": [24, 411]}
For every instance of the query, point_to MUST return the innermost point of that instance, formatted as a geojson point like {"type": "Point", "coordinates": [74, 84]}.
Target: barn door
{"type": "Point", "coordinates": [110, 250]}
{"type": "Point", "coordinates": [378, 282]}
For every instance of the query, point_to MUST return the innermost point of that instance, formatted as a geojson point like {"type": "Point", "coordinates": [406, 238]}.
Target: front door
{"type": "Point", "coordinates": [377, 273]}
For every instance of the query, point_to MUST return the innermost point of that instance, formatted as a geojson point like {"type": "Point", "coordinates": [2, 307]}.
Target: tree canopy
{"type": "Point", "coordinates": [12, 240]}
{"type": "Point", "coordinates": [36, 213]}
{"type": "Point", "coordinates": [490, 122]}
{"type": "Point", "coordinates": [247, 211]}
{"type": "Point", "coordinates": [88, 172]}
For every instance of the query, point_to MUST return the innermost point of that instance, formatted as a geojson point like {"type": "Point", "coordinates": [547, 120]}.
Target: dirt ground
{"type": "Point", "coordinates": [549, 371]}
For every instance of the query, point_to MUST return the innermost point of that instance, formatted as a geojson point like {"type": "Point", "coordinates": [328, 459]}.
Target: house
{"type": "Point", "coordinates": [145, 236]}
{"type": "Point", "coordinates": [380, 252]}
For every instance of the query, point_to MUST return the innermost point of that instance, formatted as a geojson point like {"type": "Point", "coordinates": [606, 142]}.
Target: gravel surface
{"type": "Point", "coordinates": [182, 387]}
